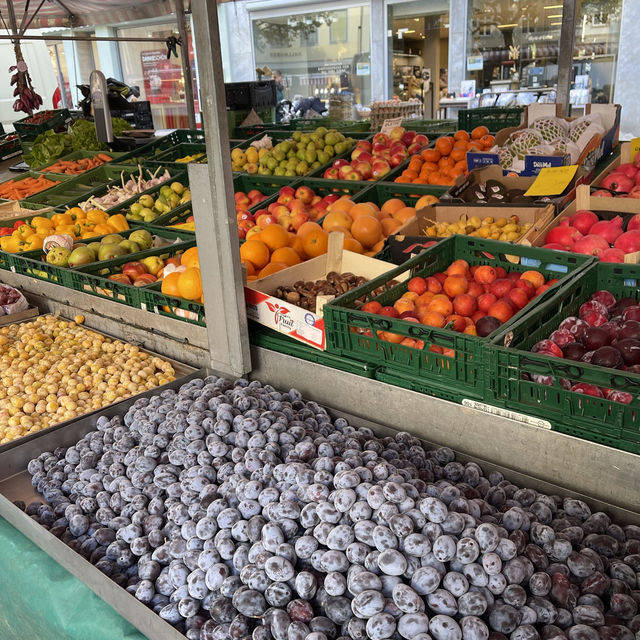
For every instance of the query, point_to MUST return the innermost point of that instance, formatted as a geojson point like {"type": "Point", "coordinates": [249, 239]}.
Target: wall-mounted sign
{"type": "Point", "coordinates": [474, 63]}
{"type": "Point", "coordinates": [363, 69]}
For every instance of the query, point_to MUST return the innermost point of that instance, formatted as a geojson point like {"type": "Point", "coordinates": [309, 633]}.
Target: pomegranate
{"type": "Point", "coordinates": [563, 235]}
{"type": "Point", "coordinates": [609, 230]}
{"type": "Point", "coordinates": [587, 389]}
{"type": "Point", "coordinates": [618, 396]}
{"type": "Point", "coordinates": [612, 255]}
{"type": "Point", "coordinates": [591, 245]}
{"type": "Point", "coordinates": [634, 223]}
{"type": "Point", "coordinates": [628, 242]}
{"type": "Point", "coordinates": [583, 220]}
{"type": "Point", "coordinates": [618, 182]}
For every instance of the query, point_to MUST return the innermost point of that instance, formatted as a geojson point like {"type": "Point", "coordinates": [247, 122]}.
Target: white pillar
{"type": "Point", "coordinates": [73, 65]}
{"type": "Point", "coordinates": [237, 43]}
{"type": "Point", "coordinates": [380, 54]}
{"type": "Point", "coordinates": [109, 56]}
{"type": "Point", "coordinates": [458, 29]}
{"type": "Point", "coordinates": [627, 89]}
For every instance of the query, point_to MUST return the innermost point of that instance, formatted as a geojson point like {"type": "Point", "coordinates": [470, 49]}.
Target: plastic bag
{"type": "Point", "coordinates": [11, 300]}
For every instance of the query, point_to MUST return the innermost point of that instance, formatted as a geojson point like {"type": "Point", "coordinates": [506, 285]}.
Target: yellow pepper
{"type": "Point", "coordinates": [41, 221]}
{"type": "Point", "coordinates": [23, 232]}
{"type": "Point", "coordinates": [72, 230]}
{"type": "Point", "coordinates": [35, 241]}
{"type": "Point", "coordinates": [96, 216]}
{"type": "Point", "coordinates": [61, 219]}
{"type": "Point", "coordinates": [118, 222]}
{"type": "Point", "coordinates": [76, 213]}
{"type": "Point", "coordinates": [9, 244]}
{"type": "Point", "coordinates": [103, 229]}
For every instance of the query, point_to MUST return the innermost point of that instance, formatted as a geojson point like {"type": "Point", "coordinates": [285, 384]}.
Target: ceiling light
{"type": "Point", "coordinates": [416, 19]}
{"type": "Point", "coordinates": [555, 15]}
{"type": "Point", "coordinates": [507, 26]}
{"type": "Point", "coordinates": [554, 6]}
{"type": "Point", "coordinates": [555, 23]}
{"type": "Point", "coordinates": [409, 30]}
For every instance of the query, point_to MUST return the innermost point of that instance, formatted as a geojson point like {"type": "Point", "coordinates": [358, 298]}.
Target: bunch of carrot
{"type": "Point", "coordinates": [73, 167]}
{"type": "Point", "coordinates": [19, 189]}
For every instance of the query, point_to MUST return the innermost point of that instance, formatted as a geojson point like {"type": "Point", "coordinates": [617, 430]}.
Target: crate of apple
{"type": "Point", "coordinates": [143, 272]}
{"type": "Point", "coordinates": [372, 160]}
{"type": "Point", "coordinates": [292, 208]}
{"type": "Point", "coordinates": [245, 201]}
{"type": "Point", "coordinates": [610, 240]}
{"type": "Point", "coordinates": [606, 333]}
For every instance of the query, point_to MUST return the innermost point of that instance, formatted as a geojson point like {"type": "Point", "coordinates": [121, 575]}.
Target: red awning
{"type": "Point", "coordinates": [77, 13]}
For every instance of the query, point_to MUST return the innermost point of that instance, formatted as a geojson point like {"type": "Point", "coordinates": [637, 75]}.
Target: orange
{"type": "Point", "coordinates": [190, 284]}
{"type": "Point", "coordinates": [461, 134]}
{"type": "Point", "coordinates": [351, 244]}
{"type": "Point", "coordinates": [342, 204]}
{"type": "Point", "coordinates": [256, 252]}
{"type": "Point", "coordinates": [272, 267]}
{"type": "Point", "coordinates": [389, 226]}
{"type": "Point", "coordinates": [336, 219]}
{"type": "Point", "coordinates": [392, 205]}
{"type": "Point", "coordinates": [308, 226]}
{"type": "Point", "coordinates": [430, 155]}
{"type": "Point", "coordinates": [285, 255]}
{"type": "Point", "coordinates": [445, 162]}
{"type": "Point", "coordinates": [362, 209]}
{"type": "Point", "coordinates": [315, 242]}
{"type": "Point", "coordinates": [409, 173]}
{"type": "Point", "coordinates": [458, 154]}
{"type": "Point", "coordinates": [436, 178]}
{"type": "Point", "coordinates": [441, 304]}
{"type": "Point", "coordinates": [432, 319]}
{"type": "Point", "coordinates": [458, 267]}
{"type": "Point", "coordinates": [444, 145]}
{"type": "Point", "coordinates": [378, 246]}
{"type": "Point", "coordinates": [190, 258]}
{"type": "Point", "coordinates": [487, 141]}
{"type": "Point", "coordinates": [404, 214]}
{"type": "Point", "coordinates": [342, 230]}
{"type": "Point", "coordinates": [429, 166]}
{"type": "Point", "coordinates": [425, 201]}
{"type": "Point", "coordinates": [478, 132]}
{"type": "Point", "coordinates": [403, 179]}
{"type": "Point", "coordinates": [367, 230]}
{"type": "Point", "coordinates": [274, 236]}
{"type": "Point", "coordinates": [170, 284]}
{"type": "Point", "coordinates": [251, 270]}
{"type": "Point", "coordinates": [296, 244]}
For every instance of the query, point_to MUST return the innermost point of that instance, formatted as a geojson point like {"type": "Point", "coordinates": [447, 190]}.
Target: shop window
{"type": "Point", "coordinates": [145, 64]}
{"type": "Point", "coordinates": [319, 54]}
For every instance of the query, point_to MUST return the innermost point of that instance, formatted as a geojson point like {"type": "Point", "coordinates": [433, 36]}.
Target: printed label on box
{"type": "Point", "coordinates": [475, 160]}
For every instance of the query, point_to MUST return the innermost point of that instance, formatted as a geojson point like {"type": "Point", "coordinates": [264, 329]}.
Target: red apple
{"type": "Point", "coordinates": [331, 174]}
{"type": "Point", "coordinates": [134, 269]}
{"type": "Point", "coordinates": [340, 162]}
{"type": "Point", "coordinates": [120, 277]}
{"type": "Point", "coordinates": [304, 194]}
{"type": "Point", "coordinates": [143, 280]}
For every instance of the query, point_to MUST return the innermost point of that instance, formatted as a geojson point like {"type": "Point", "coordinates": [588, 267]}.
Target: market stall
{"type": "Point", "coordinates": [481, 454]}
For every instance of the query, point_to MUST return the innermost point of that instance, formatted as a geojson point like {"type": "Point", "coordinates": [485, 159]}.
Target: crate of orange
{"type": "Point", "coordinates": [286, 317]}
{"type": "Point", "coordinates": [436, 325]}
{"type": "Point", "coordinates": [447, 159]}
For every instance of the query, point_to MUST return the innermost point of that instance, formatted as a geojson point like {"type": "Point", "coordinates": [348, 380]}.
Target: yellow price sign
{"type": "Point", "coordinates": [552, 181]}
{"type": "Point", "coordinates": [635, 147]}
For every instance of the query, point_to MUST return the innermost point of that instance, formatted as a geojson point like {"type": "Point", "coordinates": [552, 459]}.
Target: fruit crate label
{"type": "Point", "coordinates": [389, 124]}
{"type": "Point", "coordinates": [635, 147]}
{"type": "Point", "coordinates": [552, 181]}
{"type": "Point", "coordinates": [507, 413]}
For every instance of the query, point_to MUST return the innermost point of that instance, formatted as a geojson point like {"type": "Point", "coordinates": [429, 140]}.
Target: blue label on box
{"type": "Point", "coordinates": [475, 160]}
{"type": "Point", "coordinates": [533, 164]}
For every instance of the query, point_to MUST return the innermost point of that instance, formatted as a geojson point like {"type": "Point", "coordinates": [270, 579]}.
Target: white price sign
{"type": "Point", "coordinates": [389, 124]}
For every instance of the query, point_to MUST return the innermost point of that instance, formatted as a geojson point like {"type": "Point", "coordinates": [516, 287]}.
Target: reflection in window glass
{"type": "Point", "coordinates": [318, 53]}
{"type": "Point", "coordinates": [160, 79]}
{"type": "Point", "coordinates": [596, 51]}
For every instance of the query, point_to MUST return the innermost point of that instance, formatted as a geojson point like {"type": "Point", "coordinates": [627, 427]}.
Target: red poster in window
{"type": "Point", "coordinates": [162, 77]}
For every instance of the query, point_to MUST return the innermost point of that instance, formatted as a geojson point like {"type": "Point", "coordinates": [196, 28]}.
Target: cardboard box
{"type": "Point", "coordinates": [607, 211]}
{"type": "Point", "coordinates": [596, 149]}
{"type": "Point", "coordinates": [457, 193]}
{"type": "Point", "coordinates": [539, 216]}
{"type": "Point", "coordinates": [298, 323]}
{"type": "Point", "coordinates": [585, 199]}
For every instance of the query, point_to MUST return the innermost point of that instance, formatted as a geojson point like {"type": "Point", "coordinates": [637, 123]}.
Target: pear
{"type": "Point", "coordinates": [81, 255]}
{"type": "Point", "coordinates": [59, 256]}
{"type": "Point", "coordinates": [177, 187]}
{"type": "Point", "coordinates": [129, 246]}
{"type": "Point", "coordinates": [146, 201]}
{"type": "Point", "coordinates": [142, 238]}
{"type": "Point", "coordinates": [112, 238]}
{"type": "Point", "coordinates": [110, 251]}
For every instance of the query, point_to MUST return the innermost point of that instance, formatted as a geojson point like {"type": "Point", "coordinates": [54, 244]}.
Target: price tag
{"type": "Point", "coordinates": [635, 147]}
{"type": "Point", "coordinates": [389, 124]}
{"type": "Point", "coordinates": [552, 181]}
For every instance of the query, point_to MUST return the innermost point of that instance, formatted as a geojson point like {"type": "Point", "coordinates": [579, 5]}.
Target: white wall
{"type": "Point", "coordinates": [36, 56]}
{"type": "Point", "coordinates": [627, 90]}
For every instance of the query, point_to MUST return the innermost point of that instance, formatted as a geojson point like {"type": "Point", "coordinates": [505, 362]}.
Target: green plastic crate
{"type": "Point", "coordinates": [31, 263]}
{"type": "Point", "coordinates": [274, 341]}
{"type": "Point", "coordinates": [180, 150]}
{"type": "Point", "coordinates": [152, 299]}
{"type": "Point", "coordinates": [610, 423]}
{"type": "Point", "coordinates": [56, 177]}
{"type": "Point", "coordinates": [166, 143]}
{"type": "Point", "coordinates": [30, 131]}
{"type": "Point", "coordinates": [430, 127]}
{"type": "Point", "coordinates": [380, 192]}
{"type": "Point", "coordinates": [9, 146]}
{"type": "Point", "coordinates": [494, 118]}
{"type": "Point", "coordinates": [76, 155]}
{"type": "Point", "coordinates": [353, 333]}
{"type": "Point", "coordinates": [77, 188]}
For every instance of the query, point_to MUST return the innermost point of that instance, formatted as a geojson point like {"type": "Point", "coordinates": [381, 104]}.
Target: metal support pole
{"type": "Point", "coordinates": [565, 54]}
{"type": "Point", "coordinates": [13, 23]}
{"type": "Point", "coordinates": [214, 210]}
{"type": "Point", "coordinates": [186, 64]}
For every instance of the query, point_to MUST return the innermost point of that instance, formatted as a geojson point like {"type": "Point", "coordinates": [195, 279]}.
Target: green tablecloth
{"type": "Point", "coordinates": [41, 599]}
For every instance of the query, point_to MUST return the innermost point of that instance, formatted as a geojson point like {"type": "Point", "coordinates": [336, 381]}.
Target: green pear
{"type": "Point", "coordinates": [146, 201]}
{"type": "Point", "coordinates": [129, 246]}
{"type": "Point", "coordinates": [59, 256]}
{"type": "Point", "coordinates": [81, 255]}
{"type": "Point", "coordinates": [177, 187]}
{"type": "Point", "coordinates": [142, 238]}
{"type": "Point", "coordinates": [110, 251]}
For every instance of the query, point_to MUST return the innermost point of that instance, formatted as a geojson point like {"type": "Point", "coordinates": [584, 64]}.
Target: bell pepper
{"type": "Point", "coordinates": [96, 216]}
{"type": "Point", "coordinates": [103, 229]}
{"type": "Point", "coordinates": [41, 221]}
{"type": "Point", "coordinates": [61, 219]}
{"type": "Point", "coordinates": [118, 222]}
